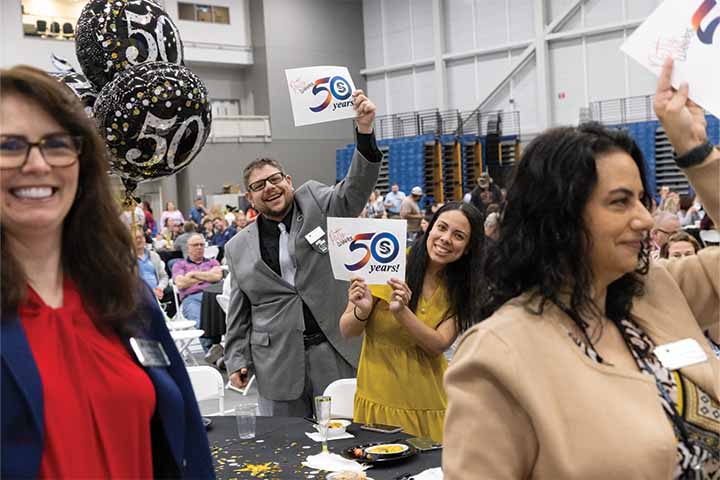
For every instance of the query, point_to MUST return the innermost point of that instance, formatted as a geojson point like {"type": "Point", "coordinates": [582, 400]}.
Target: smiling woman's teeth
{"type": "Point", "coordinates": [32, 192]}
{"type": "Point", "coordinates": [441, 249]}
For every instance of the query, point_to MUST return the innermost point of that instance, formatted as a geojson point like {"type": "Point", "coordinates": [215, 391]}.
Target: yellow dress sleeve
{"type": "Point", "coordinates": [383, 292]}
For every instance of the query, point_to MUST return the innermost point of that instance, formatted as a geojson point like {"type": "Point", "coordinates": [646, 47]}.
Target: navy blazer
{"type": "Point", "coordinates": [179, 441]}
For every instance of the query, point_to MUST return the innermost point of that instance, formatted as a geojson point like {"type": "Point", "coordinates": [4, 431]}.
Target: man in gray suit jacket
{"type": "Point", "coordinates": [285, 304]}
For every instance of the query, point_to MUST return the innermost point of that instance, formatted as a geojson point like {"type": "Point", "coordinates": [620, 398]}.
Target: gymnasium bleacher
{"type": "Point", "coordinates": [446, 163]}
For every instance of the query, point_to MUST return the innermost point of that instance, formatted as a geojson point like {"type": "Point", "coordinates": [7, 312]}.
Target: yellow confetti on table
{"type": "Point", "coordinates": [259, 470]}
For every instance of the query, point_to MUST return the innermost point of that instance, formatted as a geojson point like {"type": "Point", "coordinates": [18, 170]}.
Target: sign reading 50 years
{"type": "Point", "coordinates": [370, 248]}
{"type": "Point", "coordinates": [320, 94]}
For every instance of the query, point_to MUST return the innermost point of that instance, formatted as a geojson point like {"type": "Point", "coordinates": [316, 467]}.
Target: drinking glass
{"type": "Point", "coordinates": [322, 415]}
{"type": "Point", "coordinates": [245, 418]}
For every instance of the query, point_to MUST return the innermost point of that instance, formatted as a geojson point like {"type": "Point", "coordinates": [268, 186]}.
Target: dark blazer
{"type": "Point", "coordinates": [179, 441]}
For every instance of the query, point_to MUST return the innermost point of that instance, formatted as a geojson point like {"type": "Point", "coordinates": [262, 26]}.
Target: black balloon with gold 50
{"type": "Point", "coordinates": [154, 117]}
{"type": "Point", "coordinates": [115, 35]}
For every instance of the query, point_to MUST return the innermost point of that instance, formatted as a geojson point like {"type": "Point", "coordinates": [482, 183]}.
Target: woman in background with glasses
{"type": "Point", "coordinates": [76, 403]}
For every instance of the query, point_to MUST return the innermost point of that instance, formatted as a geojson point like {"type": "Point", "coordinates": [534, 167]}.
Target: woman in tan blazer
{"type": "Point", "coordinates": [561, 381]}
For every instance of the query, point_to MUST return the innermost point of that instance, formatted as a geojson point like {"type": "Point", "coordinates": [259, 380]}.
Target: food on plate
{"type": "Point", "coordinates": [346, 476]}
{"type": "Point", "coordinates": [336, 424]}
{"type": "Point", "coordinates": [386, 449]}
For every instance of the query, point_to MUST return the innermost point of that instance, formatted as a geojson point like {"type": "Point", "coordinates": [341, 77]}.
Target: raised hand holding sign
{"type": "Point", "coordinates": [321, 94]}
{"type": "Point", "coordinates": [369, 248]}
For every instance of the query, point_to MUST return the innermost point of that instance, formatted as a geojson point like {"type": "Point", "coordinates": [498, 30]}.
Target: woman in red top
{"type": "Point", "coordinates": [76, 403]}
{"type": "Point", "coordinates": [149, 219]}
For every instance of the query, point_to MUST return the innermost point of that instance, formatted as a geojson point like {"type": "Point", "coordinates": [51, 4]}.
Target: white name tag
{"type": "Point", "coordinates": [680, 354]}
{"type": "Point", "coordinates": [315, 235]}
{"type": "Point", "coordinates": [149, 353]}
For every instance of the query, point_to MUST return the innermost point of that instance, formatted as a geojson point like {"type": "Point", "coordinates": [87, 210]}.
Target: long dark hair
{"type": "Point", "coordinates": [97, 251]}
{"type": "Point", "coordinates": [462, 278]}
{"type": "Point", "coordinates": [544, 243]}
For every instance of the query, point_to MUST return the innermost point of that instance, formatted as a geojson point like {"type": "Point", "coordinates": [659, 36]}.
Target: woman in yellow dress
{"type": "Point", "coordinates": [408, 325]}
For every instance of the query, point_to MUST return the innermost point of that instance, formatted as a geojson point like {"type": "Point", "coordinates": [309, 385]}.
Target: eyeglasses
{"type": "Point", "coordinates": [274, 179]}
{"type": "Point", "coordinates": [57, 149]}
{"type": "Point", "coordinates": [666, 232]}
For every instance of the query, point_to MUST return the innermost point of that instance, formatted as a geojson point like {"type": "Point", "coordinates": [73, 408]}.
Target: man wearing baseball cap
{"type": "Point", "coordinates": [410, 211]}
{"type": "Point", "coordinates": [485, 193]}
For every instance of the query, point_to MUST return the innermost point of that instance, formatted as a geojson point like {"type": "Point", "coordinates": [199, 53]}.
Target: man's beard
{"type": "Point", "coordinates": [277, 213]}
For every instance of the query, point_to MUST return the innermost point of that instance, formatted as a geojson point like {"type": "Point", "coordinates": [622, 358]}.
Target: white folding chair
{"type": "Point", "coordinates": [183, 340]}
{"type": "Point", "coordinates": [207, 383]}
{"type": "Point", "coordinates": [186, 331]}
{"type": "Point", "coordinates": [224, 299]}
{"type": "Point", "coordinates": [212, 251]}
{"type": "Point", "coordinates": [342, 393]}
{"type": "Point", "coordinates": [174, 324]}
{"type": "Point", "coordinates": [179, 322]}
{"type": "Point", "coordinates": [710, 237]}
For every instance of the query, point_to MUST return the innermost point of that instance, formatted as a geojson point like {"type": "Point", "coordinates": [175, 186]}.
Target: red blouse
{"type": "Point", "coordinates": [97, 401]}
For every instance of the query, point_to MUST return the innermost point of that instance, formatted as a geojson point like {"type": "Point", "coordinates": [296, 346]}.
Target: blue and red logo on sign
{"type": "Point", "coordinates": [383, 248]}
{"type": "Point", "coordinates": [335, 87]}
{"type": "Point", "coordinates": [705, 35]}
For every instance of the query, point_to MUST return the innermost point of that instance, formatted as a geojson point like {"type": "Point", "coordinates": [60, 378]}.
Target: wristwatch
{"type": "Point", "coordinates": [695, 156]}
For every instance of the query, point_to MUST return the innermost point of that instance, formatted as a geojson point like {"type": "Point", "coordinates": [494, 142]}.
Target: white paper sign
{"type": "Point", "coordinates": [373, 249]}
{"type": "Point", "coordinates": [320, 94]}
{"type": "Point", "coordinates": [689, 31]}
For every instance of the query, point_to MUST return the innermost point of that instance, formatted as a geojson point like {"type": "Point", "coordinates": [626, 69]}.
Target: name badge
{"type": "Point", "coordinates": [680, 354]}
{"type": "Point", "coordinates": [317, 240]}
{"type": "Point", "coordinates": [149, 353]}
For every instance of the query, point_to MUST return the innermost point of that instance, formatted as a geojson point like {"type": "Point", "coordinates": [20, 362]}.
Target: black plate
{"type": "Point", "coordinates": [207, 422]}
{"type": "Point", "coordinates": [369, 458]}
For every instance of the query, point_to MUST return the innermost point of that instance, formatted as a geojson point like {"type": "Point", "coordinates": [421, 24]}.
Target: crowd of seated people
{"type": "Point", "coordinates": [152, 271]}
{"type": "Point", "coordinates": [178, 251]}
{"type": "Point", "coordinates": [191, 276]}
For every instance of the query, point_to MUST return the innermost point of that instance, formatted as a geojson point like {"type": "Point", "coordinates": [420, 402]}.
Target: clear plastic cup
{"type": "Point", "coordinates": [245, 418]}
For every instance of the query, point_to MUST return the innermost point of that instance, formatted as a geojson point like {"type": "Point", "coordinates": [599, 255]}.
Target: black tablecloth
{"type": "Point", "coordinates": [212, 317]}
{"type": "Point", "coordinates": [695, 232]}
{"type": "Point", "coordinates": [281, 440]}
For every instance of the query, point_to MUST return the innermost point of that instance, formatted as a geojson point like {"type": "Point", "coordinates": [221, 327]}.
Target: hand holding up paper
{"type": "Point", "coordinates": [687, 31]}
{"type": "Point", "coordinates": [359, 294]}
{"type": "Point", "coordinates": [683, 120]}
{"type": "Point", "coordinates": [365, 110]}
{"type": "Point", "coordinates": [369, 248]}
{"type": "Point", "coordinates": [322, 94]}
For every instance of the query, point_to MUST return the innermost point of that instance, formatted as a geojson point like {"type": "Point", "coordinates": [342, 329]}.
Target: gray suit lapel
{"type": "Point", "coordinates": [254, 243]}
{"type": "Point", "coordinates": [254, 249]}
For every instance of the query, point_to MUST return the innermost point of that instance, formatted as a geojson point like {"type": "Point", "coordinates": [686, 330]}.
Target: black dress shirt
{"type": "Point", "coordinates": [270, 253]}
{"type": "Point", "coordinates": [367, 146]}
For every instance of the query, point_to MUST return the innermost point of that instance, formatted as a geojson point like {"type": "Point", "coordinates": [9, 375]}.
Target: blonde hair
{"type": "Point", "coordinates": [671, 204]}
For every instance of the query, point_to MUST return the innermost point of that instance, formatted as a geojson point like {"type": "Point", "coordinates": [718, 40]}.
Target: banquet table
{"type": "Point", "coordinates": [282, 440]}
